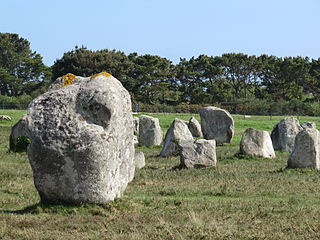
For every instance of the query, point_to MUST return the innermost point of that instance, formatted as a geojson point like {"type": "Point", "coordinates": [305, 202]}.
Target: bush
{"type": "Point", "coordinates": [20, 102]}
{"type": "Point", "coordinates": [252, 107]}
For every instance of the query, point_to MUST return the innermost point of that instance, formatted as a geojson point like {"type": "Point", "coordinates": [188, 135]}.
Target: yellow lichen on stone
{"type": "Point", "coordinates": [106, 74]}
{"type": "Point", "coordinates": [68, 79]}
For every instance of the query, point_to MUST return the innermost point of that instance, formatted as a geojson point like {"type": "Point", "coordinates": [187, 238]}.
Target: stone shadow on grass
{"type": "Point", "coordinates": [41, 207]}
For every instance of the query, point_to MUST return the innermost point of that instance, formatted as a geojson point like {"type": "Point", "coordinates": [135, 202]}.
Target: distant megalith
{"type": "Point", "coordinates": [150, 132]}
{"type": "Point", "coordinates": [305, 125]}
{"type": "Point", "coordinates": [217, 123]}
{"type": "Point", "coordinates": [5, 118]}
{"type": "Point", "coordinates": [195, 127]}
{"type": "Point", "coordinates": [136, 125]}
{"type": "Point", "coordinates": [306, 150]}
{"type": "Point", "coordinates": [19, 140]}
{"type": "Point", "coordinates": [177, 131]}
{"type": "Point", "coordinates": [139, 160]}
{"type": "Point", "coordinates": [81, 134]}
{"type": "Point", "coordinates": [284, 134]}
{"type": "Point", "coordinates": [197, 153]}
{"type": "Point", "coordinates": [257, 143]}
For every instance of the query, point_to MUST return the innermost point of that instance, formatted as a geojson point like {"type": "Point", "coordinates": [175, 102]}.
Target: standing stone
{"type": "Point", "coordinates": [217, 123]}
{"type": "Point", "coordinates": [178, 131]}
{"type": "Point", "coordinates": [81, 135]}
{"type": "Point", "coordinates": [139, 160]}
{"type": "Point", "coordinates": [18, 130]}
{"type": "Point", "coordinates": [195, 127]}
{"type": "Point", "coordinates": [136, 125]}
{"type": "Point", "coordinates": [5, 117]}
{"type": "Point", "coordinates": [308, 125]}
{"type": "Point", "coordinates": [284, 134]}
{"type": "Point", "coordinates": [257, 143]}
{"type": "Point", "coordinates": [150, 132]}
{"type": "Point", "coordinates": [198, 153]}
{"type": "Point", "coordinates": [306, 151]}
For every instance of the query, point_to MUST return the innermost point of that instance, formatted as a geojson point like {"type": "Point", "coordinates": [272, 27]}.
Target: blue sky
{"type": "Point", "coordinates": [169, 28]}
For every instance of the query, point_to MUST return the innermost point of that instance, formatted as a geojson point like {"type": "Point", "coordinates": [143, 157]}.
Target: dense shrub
{"type": "Point", "coordinates": [20, 102]}
{"type": "Point", "coordinates": [254, 107]}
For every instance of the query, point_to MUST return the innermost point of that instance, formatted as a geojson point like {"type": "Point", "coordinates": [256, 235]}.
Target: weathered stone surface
{"type": "Point", "coordinates": [305, 125]}
{"type": "Point", "coordinates": [306, 151]}
{"type": "Point", "coordinates": [177, 131]}
{"type": "Point", "coordinates": [150, 132]}
{"type": "Point", "coordinates": [284, 134]}
{"type": "Point", "coordinates": [5, 117]}
{"type": "Point", "coordinates": [135, 140]}
{"type": "Point", "coordinates": [82, 140]}
{"type": "Point", "coordinates": [136, 125]}
{"type": "Point", "coordinates": [217, 123]}
{"type": "Point", "coordinates": [198, 153]}
{"type": "Point", "coordinates": [257, 143]}
{"type": "Point", "coordinates": [18, 130]}
{"type": "Point", "coordinates": [139, 160]}
{"type": "Point", "coordinates": [195, 127]}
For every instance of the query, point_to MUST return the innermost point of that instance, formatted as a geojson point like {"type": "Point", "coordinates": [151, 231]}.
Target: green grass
{"type": "Point", "coordinates": [247, 198]}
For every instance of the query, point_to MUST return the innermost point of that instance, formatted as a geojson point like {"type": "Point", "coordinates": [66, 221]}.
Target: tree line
{"type": "Point", "coordinates": [151, 79]}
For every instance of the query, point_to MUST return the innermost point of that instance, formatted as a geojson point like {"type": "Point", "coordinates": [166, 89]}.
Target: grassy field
{"type": "Point", "coordinates": [247, 198]}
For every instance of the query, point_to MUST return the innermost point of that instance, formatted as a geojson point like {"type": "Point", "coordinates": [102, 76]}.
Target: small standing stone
{"type": "Point", "coordinates": [5, 117]}
{"type": "Point", "coordinates": [306, 151]}
{"type": "Point", "coordinates": [308, 125]}
{"type": "Point", "coordinates": [198, 153]}
{"type": "Point", "coordinates": [284, 134]}
{"type": "Point", "coordinates": [257, 143]}
{"type": "Point", "coordinates": [195, 127]}
{"type": "Point", "coordinates": [18, 130]}
{"type": "Point", "coordinates": [150, 132]}
{"type": "Point", "coordinates": [139, 160]}
{"type": "Point", "coordinates": [217, 123]}
{"type": "Point", "coordinates": [177, 131]}
{"type": "Point", "coordinates": [135, 125]}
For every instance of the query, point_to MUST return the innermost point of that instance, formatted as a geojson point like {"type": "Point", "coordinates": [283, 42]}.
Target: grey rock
{"type": "Point", "coordinates": [198, 153]}
{"type": "Point", "coordinates": [135, 140]}
{"type": "Point", "coordinates": [82, 141]}
{"type": "Point", "coordinates": [136, 125]}
{"type": "Point", "coordinates": [284, 134]}
{"type": "Point", "coordinates": [139, 160]}
{"type": "Point", "coordinates": [177, 131]}
{"type": "Point", "coordinates": [257, 143]}
{"type": "Point", "coordinates": [5, 117]}
{"type": "Point", "coordinates": [185, 122]}
{"type": "Point", "coordinates": [217, 123]}
{"type": "Point", "coordinates": [305, 125]}
{"type": "Point", "coordinates": [195, 127]}
{"type": "Point", "coordinates": [18, 130]}
{"type": "Point", "coordinates": [306, 151]}
{"type": "Point", "coordinates": [150, 132]}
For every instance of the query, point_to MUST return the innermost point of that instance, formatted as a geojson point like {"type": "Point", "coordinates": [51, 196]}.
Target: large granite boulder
{"type": "Point", "coordinates": [217, 123]}
{"type": "Point", "coordinates": [139, 160]}
{"type": "Point", "coordinates": [195, 127]}
{"type": "Point", "coordinates": [81, 134]}
{"type": "Point", "coordinates": [197, 153]}
{"type": "Point", "coordinates": [257, 143]}
{"type": "Point", "coordinates": [306, 151]}
{"type": "Point", "coordinates": [19, 139]}
{"type": "Point", "coordinates": [150, 132]}
{"type": "Point", "coordinates": [284, 134]}
{"type": "Point", "coordinates": [177, 131]}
